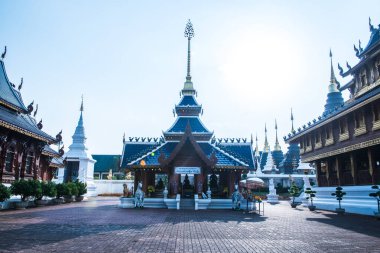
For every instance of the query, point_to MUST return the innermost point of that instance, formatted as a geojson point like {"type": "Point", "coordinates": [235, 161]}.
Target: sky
{"type": "Point", "coordinates": [252, 61]}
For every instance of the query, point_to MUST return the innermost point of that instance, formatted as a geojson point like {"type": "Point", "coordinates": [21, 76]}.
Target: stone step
{"type": "Point", "coordinates": [187, 204]}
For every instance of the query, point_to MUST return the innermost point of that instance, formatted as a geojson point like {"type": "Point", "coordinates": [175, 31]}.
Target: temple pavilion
{"type": "Point", "coordinates": [188, 158]}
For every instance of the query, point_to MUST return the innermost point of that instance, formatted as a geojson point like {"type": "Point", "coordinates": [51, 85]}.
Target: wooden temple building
{"type": "Point", "coordinates": [188, 158]}
{"type": "Point", "coordinates": [25, 151]}
{"type": "Point", "coordinates": [344, 142]}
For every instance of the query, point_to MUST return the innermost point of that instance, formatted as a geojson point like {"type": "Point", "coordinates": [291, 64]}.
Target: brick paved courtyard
{"type": "Point", "coordinates": [99, 226]}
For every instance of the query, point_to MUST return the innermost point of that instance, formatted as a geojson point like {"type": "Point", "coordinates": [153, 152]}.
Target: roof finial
{"type": "Point", "coordinates": [20, 85]}
{"type": "Point", "coordinates": [370, 25]}
{"type": "Point", "coordinates": [277, 144]}
{"type": "Point", "coordinates": [4, 53]}
{"type": "Point", "coordinates": [189, 34]}
{"type": "Point", "coordinates": [292, 118]}
{"type": "Point", "coordinates": [333, 87]}
{"type": "Point", "coordinates": [81, 105]}
{"type": "Point", "coordinates": [123, 138]}
{"type": "Point", "coordinates": [257, 147]}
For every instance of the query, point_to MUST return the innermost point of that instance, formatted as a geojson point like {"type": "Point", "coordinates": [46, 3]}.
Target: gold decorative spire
{"type": "Point", "coordinates": [257, 146]}
{"type": "Point", "coordinates": [277, 146]}
{"type": "Point", "coordinates": [81, 105]}
{"type": "Point", "coordinates": [333, 87]}
{"type": "Point", "coordinates": [188, 88]}
{"type": "Point", "coordinates": [292, 118]}
{"type": "Point", "coordinates": [266, 145]}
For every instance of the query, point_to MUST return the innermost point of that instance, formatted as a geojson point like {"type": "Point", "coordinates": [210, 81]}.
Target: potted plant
{"type": "Point", "coordinates": [150, 190]}
{"type": "Point", "coordinates": [294, 191]}
{"type": "Point", "coordinates": [339, 196]}
{"type": "Point", "coordinates": [70, 190]}
{"type": "Point", "coordinates": [48, 189]}
{"type": "Point", "coordinates": [82, 189]}
{"type": "Point", "coordinates": [60, 191]}
{"type": "Point", "coordinates": [376, 195]}
{"type": "Point", "coordinates": [24, 189]}
{"type": "Point", "coordinates": [5, 194]}
{"type": "Point", "coordinates": [311, 194]}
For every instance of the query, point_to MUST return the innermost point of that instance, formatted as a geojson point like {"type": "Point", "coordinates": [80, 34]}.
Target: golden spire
{"type": "Point", "coordinates": [333, 87]}
{"type": "Point", "coordinates": [277, 146]}
{"type": "Point", "coordinates": [292, 118]}
{"type": "Point", "coordinates": [266, 145]}
{"type": "Point", "coordinates": [81, 105]}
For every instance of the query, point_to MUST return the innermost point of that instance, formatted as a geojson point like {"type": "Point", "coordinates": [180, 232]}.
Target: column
{"type": "Point", "coordinates": [338, 170]}
{"type": "Point", "coordinates": [371, 165]}
{"type": "Point", "coordinates": [327, 172]}
{"type": "Point", "coordinates": [353, 168]}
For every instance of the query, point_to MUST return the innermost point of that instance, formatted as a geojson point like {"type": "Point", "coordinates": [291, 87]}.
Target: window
{"type": "Point", "coordinates": [9, 159]}
{"type": "Point", "coordinates": [328, 134]}
{"type": "Point", "coordinates": [118, 176]}
{"type": "Point", "coordinates": [96, 175]}
{"type": "Point", "coordinates": [343, 126]}
{"type": "Point", "coordinates": [28, 163]}
{"type": "Point", "coordinates": [359, 119]}
{"type": "Point", "coordinates": [104, 176]}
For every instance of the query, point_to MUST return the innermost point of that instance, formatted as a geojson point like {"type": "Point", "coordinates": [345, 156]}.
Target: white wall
{"type": "Point", "coordinates": [112, 186]}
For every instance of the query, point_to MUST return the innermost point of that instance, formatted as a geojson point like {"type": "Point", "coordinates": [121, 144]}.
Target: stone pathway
{"type": "Point", "coordinates": [99, 226]}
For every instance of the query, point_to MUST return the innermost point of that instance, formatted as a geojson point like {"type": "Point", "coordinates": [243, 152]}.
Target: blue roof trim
{"type": "Point", "coordinates": [7, 93]}
{"type": "Point", "coordinates": [181, 122]}
{"type": "Point", "coordinates": [133, 151]}
{"type": "Point", "coordinates": [188, 101]}
{"type": "Point", "coordinates": [330, 114]}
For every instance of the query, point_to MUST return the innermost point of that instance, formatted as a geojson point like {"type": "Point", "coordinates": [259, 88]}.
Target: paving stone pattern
{"type": "Point", "coordinates": [98, 225]}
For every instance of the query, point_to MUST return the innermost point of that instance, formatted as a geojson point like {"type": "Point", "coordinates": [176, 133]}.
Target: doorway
{"type": "Point", "coordinates": [187, 183]}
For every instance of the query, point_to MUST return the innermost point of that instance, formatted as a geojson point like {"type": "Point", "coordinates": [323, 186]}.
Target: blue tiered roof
{"type": "Point", "coordinates": [134, 153]}
{"type": "Point", "coordinates": [188, 101]}
{"type": "Point", "coordinates": [243, 152]}
{"type": "Point", "coordinates": [195, 124]}
{"type": "Point", "coordinates": [291, 159]}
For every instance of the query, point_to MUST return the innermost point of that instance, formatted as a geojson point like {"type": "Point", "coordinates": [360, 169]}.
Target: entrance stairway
{"type": "Point", "coordinates": [188, 204]}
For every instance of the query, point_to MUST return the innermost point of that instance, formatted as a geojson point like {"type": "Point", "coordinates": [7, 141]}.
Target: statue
{"type": "Point", "coordinates": [236, 197]}
{"type": "Point", "coordinates": [272, 196]}
{"type": "Point", "coordinates": [139, 197]}
{"type": "Point", "coordinates": [125, 190]}
{"type": "Point", "coordinates": [109, 177]}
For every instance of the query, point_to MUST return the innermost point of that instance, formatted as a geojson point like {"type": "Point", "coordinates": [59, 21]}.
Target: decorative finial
{"type": "Point", "coordinates": [360, 46]}
{"type": "Point", "coordinates": [340, 70]}
{"type": "Point", "coordinates": [348, 65]}
{"type": "Point", "coordinates": [292, 119]}
{"type": "Point", "coordinates": [39, 125]}
{"type": "Point", "coordinates": [332, 76]}
{"type": "Point", "coordinates": [4, 53]}
{"type": "Point", "coordinates": [81, 105]}
{"type": "Point", "coordinates": [357, 52]}
{"type": "Point", "coordinates": [35, 112]}
{"type": "Point", "coordinates": [20, 85]}
{"type": "Point", "coordinates": [123, 138]}
{"type": "Point", "coordinates": [189, 34]}
{"type": "Point", "coordinates": [189, 30]}
{"type": "Point", "coordinates": [370, 25]}
{"type": "Point", "coordinates": [251, 139]}
{"type": "Point", "coordinates": [30, 107]}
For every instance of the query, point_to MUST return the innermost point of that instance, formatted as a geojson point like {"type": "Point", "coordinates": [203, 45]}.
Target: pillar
{"type": "Point", "coordinates": [353, 168]}
{"type": "Point", "coordinates": [338, 170]}
{"type": "Point", "coordinates": [371, 166]}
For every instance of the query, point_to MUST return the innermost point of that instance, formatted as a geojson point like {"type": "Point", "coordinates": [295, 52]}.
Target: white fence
{"type": "Point", "coordinates": [112, 186]}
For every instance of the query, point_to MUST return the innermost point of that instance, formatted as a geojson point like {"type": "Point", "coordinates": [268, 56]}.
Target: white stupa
{"type": "Point", "coordinates": [77, 159]}
{"type": "Point", "coordinates": [270, 167]}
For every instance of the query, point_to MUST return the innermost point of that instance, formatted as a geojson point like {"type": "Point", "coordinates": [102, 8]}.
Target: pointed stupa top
{"type": "Point", "coordinates": [334, 96]}
{"type": "Point", "coordinates": [78, 147]}
{"type": "Point", "coordinates": [270, 167]}
{"type": "Point", "coordinates": [188, 88]}
{"type": "Point", "coordinates": [333, 87]}
{"type": "Point", "coordinates": [266, 145]}
{"type": "Point", "coordinates": [277, 146]}
{"type": "Point", "coordinates": [292, 119]}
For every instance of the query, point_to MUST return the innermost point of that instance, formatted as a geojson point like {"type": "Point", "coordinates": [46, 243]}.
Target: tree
{"type": "Point", "coordinates": [339, 195]}
{"type": "Point", "coordinates": [294, 191]}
